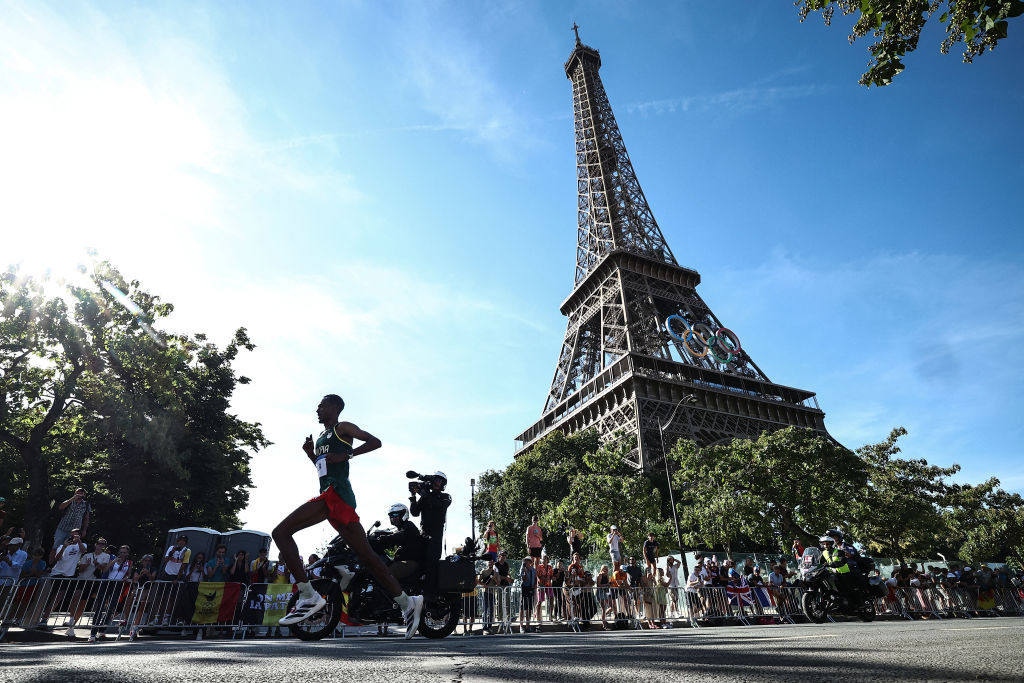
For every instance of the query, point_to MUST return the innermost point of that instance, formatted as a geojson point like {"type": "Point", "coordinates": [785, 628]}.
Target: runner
{"type": "Point", "coordinates": [336, 504]}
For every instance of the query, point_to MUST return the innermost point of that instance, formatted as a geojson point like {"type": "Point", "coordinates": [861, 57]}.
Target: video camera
{"type": "Point", "coordinates": [423, 481]}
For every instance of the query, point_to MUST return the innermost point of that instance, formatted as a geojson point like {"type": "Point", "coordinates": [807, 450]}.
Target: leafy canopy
{"type": "Point", "coordinates": [896, 26]}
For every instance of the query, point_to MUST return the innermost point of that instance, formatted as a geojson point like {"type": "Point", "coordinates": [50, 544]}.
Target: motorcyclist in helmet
{"type": "Point", "coordinates": [835, 559]}
{"type": "Point", "coordinates": [852, 557]}
{"type": "Point", "coordinates": [406, 539]}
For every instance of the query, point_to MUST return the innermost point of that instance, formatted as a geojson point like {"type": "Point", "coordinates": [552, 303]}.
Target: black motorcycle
{"type": "Point", "coordinates": [354, 597]}
{"type": "Point", "coordinates": [822, 596]}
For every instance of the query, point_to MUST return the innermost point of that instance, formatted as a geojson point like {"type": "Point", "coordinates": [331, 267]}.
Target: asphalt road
{"type": "Point", "coordinates": [978, 649]}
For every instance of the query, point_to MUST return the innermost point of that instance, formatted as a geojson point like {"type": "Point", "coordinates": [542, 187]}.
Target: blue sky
{"type": "Point", "coordinates": [383, 192]}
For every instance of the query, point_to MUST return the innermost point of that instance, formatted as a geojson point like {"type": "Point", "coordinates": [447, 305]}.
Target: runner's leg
{"type": "Point", "coordinates": [306, 515]}
{"type": "Point", "coordinates": [355, 536]}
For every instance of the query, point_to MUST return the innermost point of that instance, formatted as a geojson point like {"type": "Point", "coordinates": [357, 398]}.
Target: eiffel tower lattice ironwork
{"type": "Point", "coordinates": [639, 338]}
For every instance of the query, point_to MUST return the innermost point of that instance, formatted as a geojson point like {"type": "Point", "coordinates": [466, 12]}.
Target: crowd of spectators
{"type": "Point", "coordinates": [71, 557]}
{"type": "Point", "coordinates": [546, 583]}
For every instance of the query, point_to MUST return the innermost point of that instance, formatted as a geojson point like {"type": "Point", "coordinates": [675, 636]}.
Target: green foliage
{"type": "Point", "coordinates": [792, 483]}
{"type": "Point", "coordinates": [985, 522]}
{"type": "Point", "coordinates": [91, 396]}
{"type": "Point", "coordinates": [897, 513]}
{"type": "Point", "coordinates": [570, 481]}
{"type": "Point", "coordinates": [896, 27]}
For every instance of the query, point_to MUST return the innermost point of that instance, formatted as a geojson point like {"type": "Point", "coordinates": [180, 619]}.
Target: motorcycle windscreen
{"type": "Point", "coordinates": [811, 558]}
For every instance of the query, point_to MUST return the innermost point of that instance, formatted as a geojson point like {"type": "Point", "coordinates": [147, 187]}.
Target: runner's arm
{"type": "Point", "coordinates": [370, 442]}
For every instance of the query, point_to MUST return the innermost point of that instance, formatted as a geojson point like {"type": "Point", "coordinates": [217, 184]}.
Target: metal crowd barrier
{"type": "Point", "coordinates": [121, 607]}
{"type": "Point", "coordinates": [54, 603]}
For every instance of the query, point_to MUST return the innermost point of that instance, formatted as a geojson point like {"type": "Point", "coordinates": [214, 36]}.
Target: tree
{"type": "Point", "coordinates": [896, 26]}
{"type": "Point", "coordinates": [535, 481]}
{"type": "Point", "coordinates": [791, 483]}
{"type": "Point", "coordinates": [90, 395]}
{"type": "Point", "coordinates": [609, 491]}
{"type": "Point", "coordinates": [898, 512]}
{"type": "Point", "coordinates": [985, 522]}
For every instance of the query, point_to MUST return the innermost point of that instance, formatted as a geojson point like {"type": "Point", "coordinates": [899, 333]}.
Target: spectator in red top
{"type": "Point", "coordinates": [491, 541]}
{"type": "Point", "coordinates": [798, 548]}
{"type": "Point", "coordinates": [534, 539]}
{"type": "Point", "coordinates": [545, 572]}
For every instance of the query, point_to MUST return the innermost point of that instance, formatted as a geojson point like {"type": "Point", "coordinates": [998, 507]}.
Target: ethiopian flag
{"type": "Point", "coordinates": [215, 602]}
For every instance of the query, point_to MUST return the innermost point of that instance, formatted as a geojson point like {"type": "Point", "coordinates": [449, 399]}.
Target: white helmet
{"type": "Point", "coordinates": [443, 477]}
{"type": "Point", "coordinates": [398, 510]}
{"type": "Point", "coordinates": [826, 539]}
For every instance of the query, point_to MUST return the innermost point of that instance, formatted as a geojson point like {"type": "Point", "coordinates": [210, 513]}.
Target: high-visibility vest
{"type": "Point", "coordinates": [834, 556]}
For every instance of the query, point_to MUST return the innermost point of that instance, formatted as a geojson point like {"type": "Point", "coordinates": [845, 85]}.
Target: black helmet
{"type": "Point", "coordinates": [836, 534]}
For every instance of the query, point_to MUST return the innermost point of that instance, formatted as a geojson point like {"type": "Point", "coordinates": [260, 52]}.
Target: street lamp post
{"type": "Point", "coordinates": [689, 399]}
{"type": "Point", "coordinates": [472, 508]}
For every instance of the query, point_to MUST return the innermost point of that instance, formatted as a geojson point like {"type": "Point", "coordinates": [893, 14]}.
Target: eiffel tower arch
{"type": "Point", "coordinates": [639, 339]}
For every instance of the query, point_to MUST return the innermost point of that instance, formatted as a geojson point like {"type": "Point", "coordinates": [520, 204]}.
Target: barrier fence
{"type": "Point", "coordinates": [232, 609]}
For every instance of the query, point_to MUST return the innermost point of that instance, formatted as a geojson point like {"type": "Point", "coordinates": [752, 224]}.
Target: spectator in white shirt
{"type": "Point", "coordinates": [176, 560]}
{"type": "Point", "coordinates": [65, 563]}
{"type": "Point", "coordinates": [778, 576]}
{"type": "Point", "coordinates": [614, 540]}
{"type": "Point", "coordinates": [94, 565]}
{"type": "Point", "coordinates": [108, 597]}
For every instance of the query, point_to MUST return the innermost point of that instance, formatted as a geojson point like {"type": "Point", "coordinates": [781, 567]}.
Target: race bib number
{"type": "Point", "coordinates": [321, 466]}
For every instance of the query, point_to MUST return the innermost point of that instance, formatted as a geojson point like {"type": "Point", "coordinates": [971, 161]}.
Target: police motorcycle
{"type": "Point", "coordinates": [823, 597]}
{"type": "Point", "coordinates": [351, 591]}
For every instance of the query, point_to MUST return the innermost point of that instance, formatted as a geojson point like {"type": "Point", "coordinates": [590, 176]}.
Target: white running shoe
{"type": "Point", "coordinates": [412, 615]}
{"type": "Point", "coordinates": [304, 609]}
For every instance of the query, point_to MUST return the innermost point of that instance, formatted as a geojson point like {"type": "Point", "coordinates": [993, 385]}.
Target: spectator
{"type": "Point", "coordinates": [647, 593]}
{"type": "Point", "coordinates": [145, 572]}
{"type": "Point", "coordinates": [650, 552]}
{"type": "Point", "coordinates": [217, 567]}
{"type": "Point", "coordinates": [756, 579]}
{"type": "Point", "coordinates": [603, 583]}
{"type": "Point", "coordinates": [76, 511]}
{"type": "Point", "coordinates": [797, 549]}
{"type": "Point", "coordinates": [661, 595]}
{"type": "Point", "coordinates": [259, 569]}
{"type": "Point", "coordinates": [35, 568]}
{"type": "Point", "coordinates": [504, 572]}
{"type": "Point", "coordinates": [574, 578]}
{"type": "Point", "coordinates": [239, 571]}
{"type": "Point", "coordinates": [313, 559]}
{"type": "Point", "coordinates": [748, 568]}
{"type": "Point", "coordinates": [279, 572]}
{"type": "Point", "coordinates": [557, 586]}
{"type": "Point", "coordinates": [3, 512]}
{"type": "Point", "coordinates": [545, 594]}
{"type": "Point", "coordinates": [672, 571]}
{"type": "Point", "coordinates": [196, 571]}
{"type": "Point", "coordinates": [12, 559]}
{"type": "Point", "coordinates": [777, 578]}
{"type": "Point", "coordinates": [614, 544]}
{"type": "Point", "coordinates": [66, 558]}
{"type": "Point", "coordinates": [94, 565]}
{"type": "Point", "coordinates": [491, 541]}
{"type": "Point", "coordinates": [534, 540]}
{"type": "Point", "coordinates": [488, 578]}
{"type": "Point", "coordinates": [575, 541]}
{"type": "Point", "coordinates": [708, 573]}
{"type": "Point", "coordinates": [528, 591]}
{"type": "Point", "coordinates": [636, 574]}
{"type": "Point", "coordinates": [175, 560]}
{"type": "Point", "coordinates": [107, 598]}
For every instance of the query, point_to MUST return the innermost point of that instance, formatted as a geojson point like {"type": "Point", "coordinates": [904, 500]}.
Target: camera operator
{"type": "Point", "coordinates": [406, 538]}
{"type": "Point", "coordinates": [433, 503]}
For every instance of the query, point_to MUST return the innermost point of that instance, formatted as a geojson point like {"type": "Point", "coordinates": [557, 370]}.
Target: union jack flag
{"type": "Point", "coordinates": [765, 597]}
{"type": "Point", "coordinates": [739, 595]}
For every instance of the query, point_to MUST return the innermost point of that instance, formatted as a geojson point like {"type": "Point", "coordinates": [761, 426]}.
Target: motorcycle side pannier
{"type": "Point", "coordinates": [456, 575]}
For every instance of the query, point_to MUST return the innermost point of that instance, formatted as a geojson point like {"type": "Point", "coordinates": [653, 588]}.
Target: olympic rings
{"type": "Point", "coordinates": [710, 342]}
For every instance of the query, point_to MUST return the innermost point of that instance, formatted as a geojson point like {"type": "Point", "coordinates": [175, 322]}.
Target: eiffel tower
{"type": "Point", "coordinates": [640, 340]}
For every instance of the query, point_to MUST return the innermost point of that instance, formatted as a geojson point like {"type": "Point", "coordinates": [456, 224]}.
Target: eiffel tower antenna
{"type": "Point", "coordinates": [640, 341]}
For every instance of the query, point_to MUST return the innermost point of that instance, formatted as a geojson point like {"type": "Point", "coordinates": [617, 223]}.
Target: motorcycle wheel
{"type": "Point", "coordinates": [813, 605]}
{"type": "Point", "coordinates": [440, 616]}
{"type": "Point", "coordinates": [867, 611]}
{"type": "Point", "coordinates": [322, 624]}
